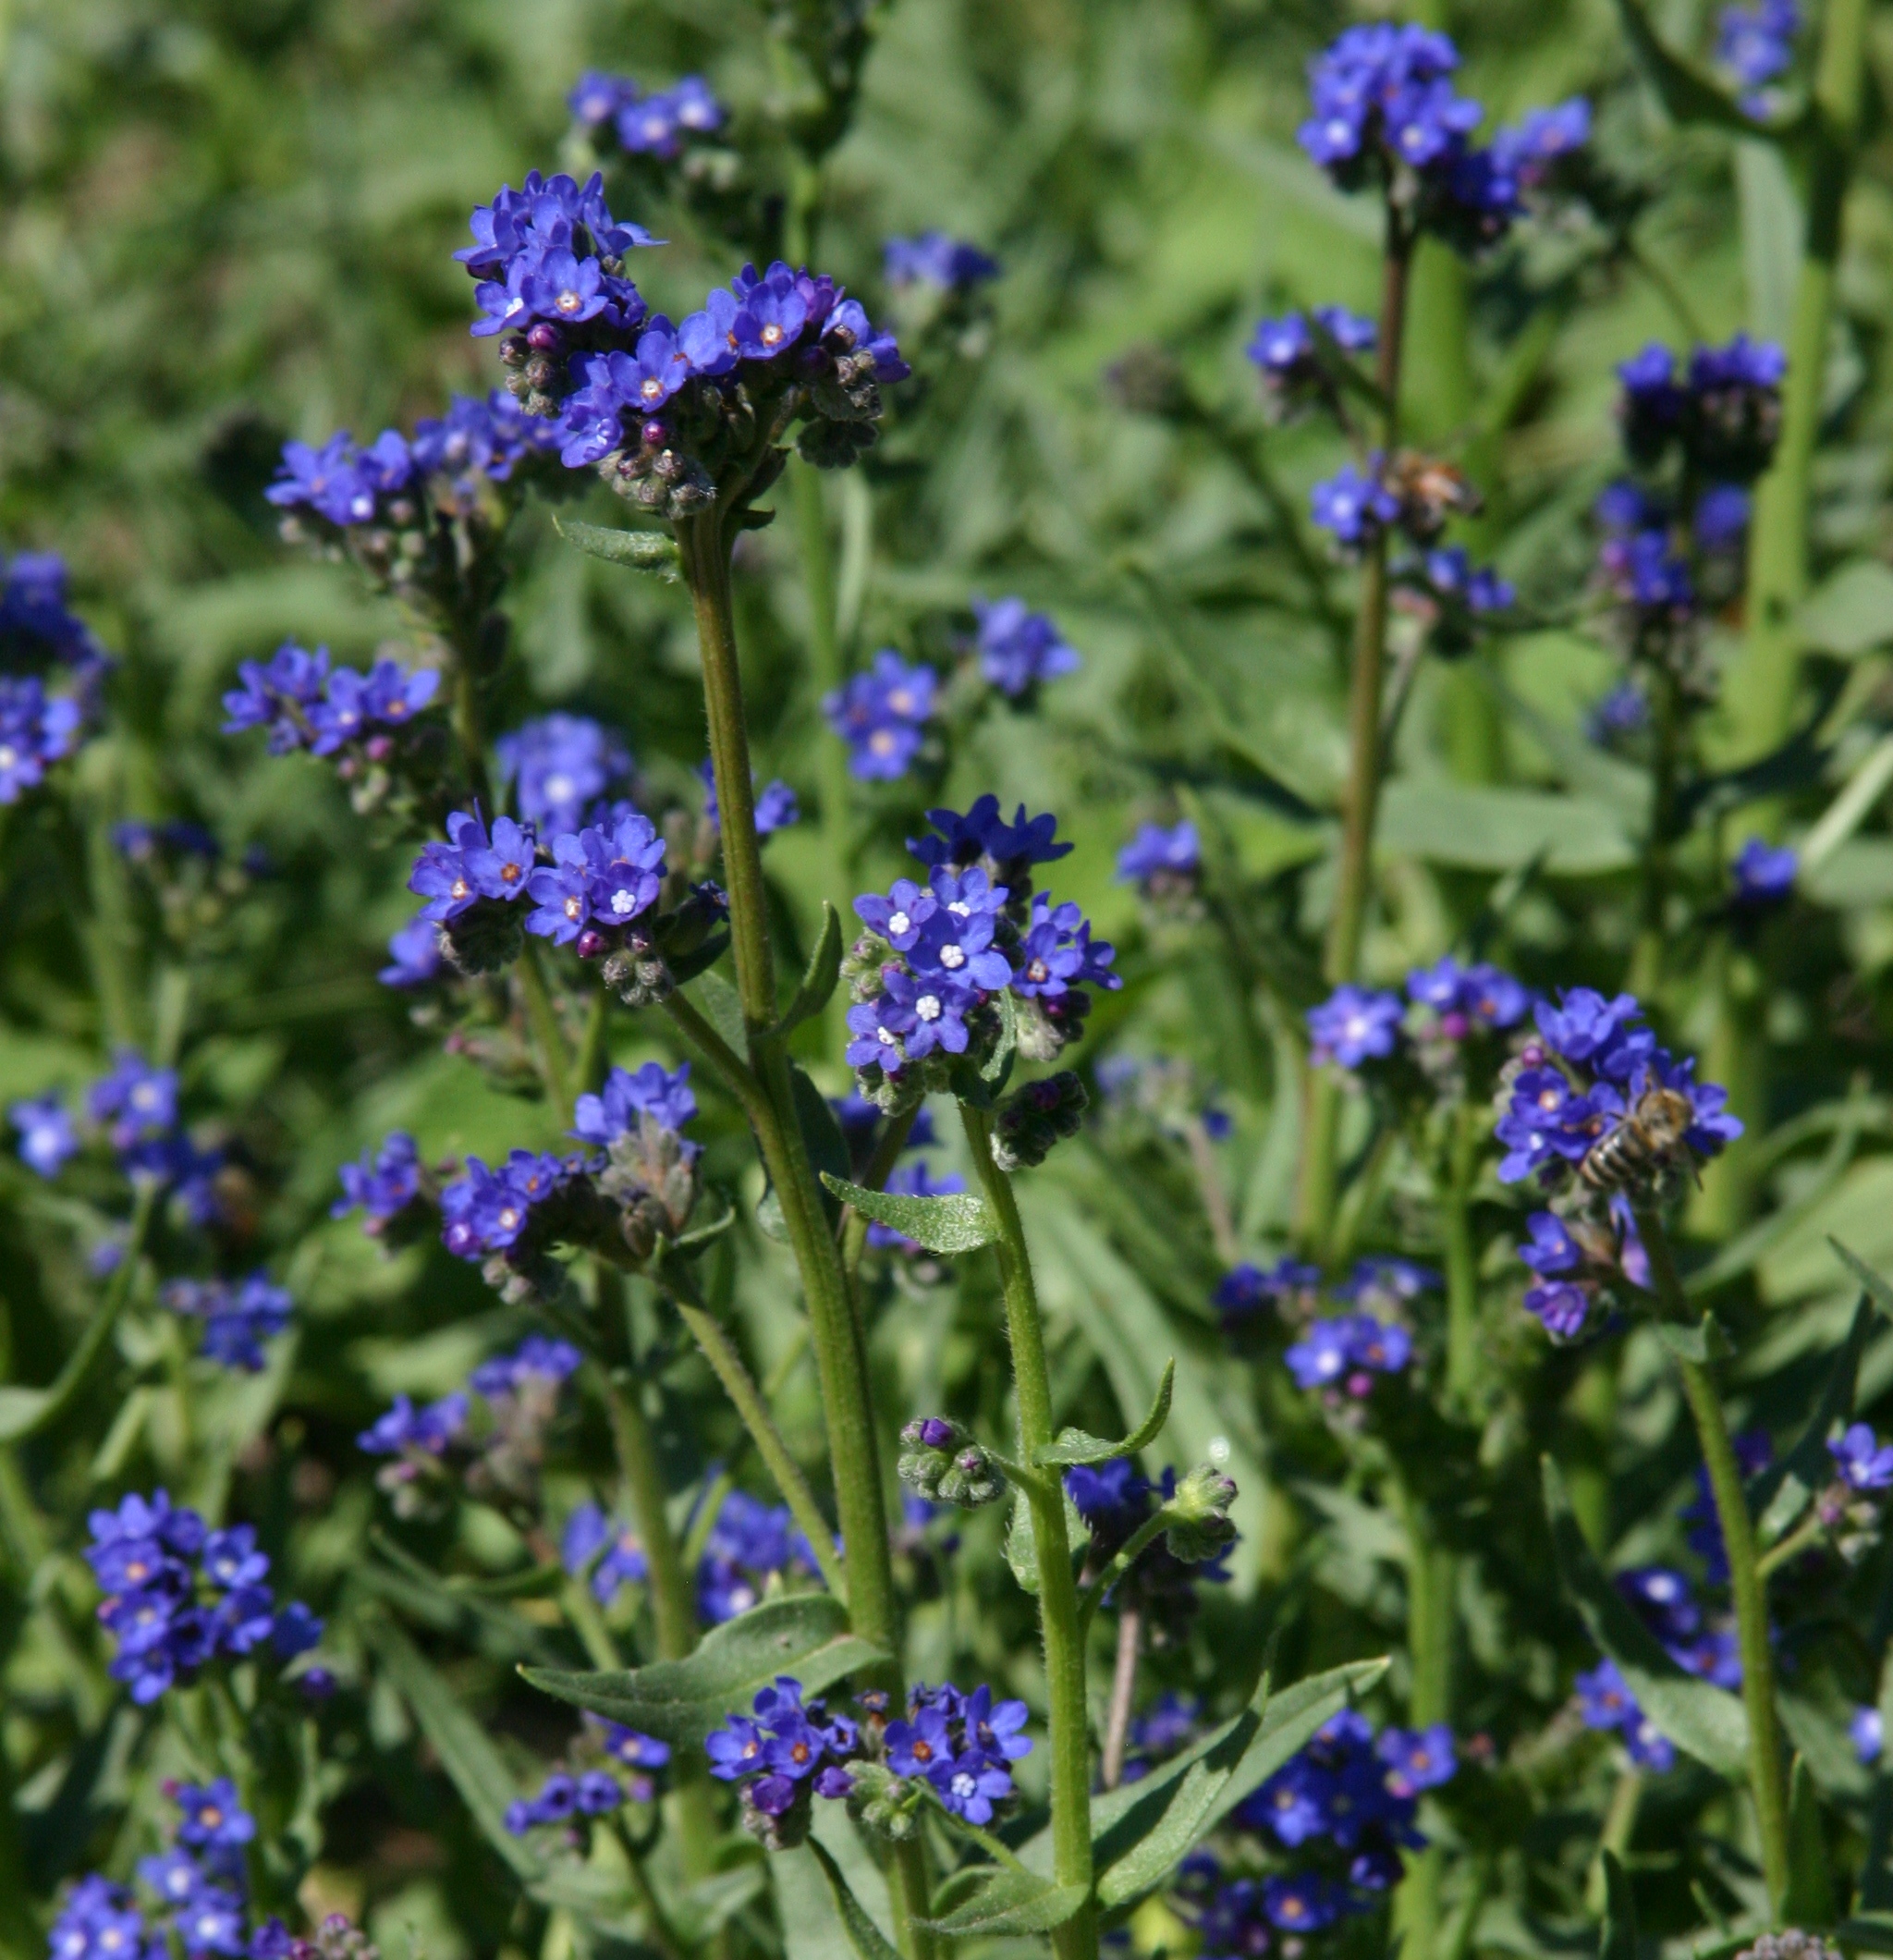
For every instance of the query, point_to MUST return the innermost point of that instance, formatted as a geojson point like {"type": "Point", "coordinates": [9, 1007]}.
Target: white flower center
{"type": "Point", "coordinates": [771, 334]}
{"type": "Point", "coordinates": [569, 303]}
{"type": "Point", "coordinates": [928, 1007]}
{"type": "Point", "coordinates": [952, 958]}
{"type": "Point", "coordinates": [961, 909]}
{"type": "Point", "coordinates": [899, 922]}
{"type": "Point", "coordinates": [575, 908]}
{"type": "Point", "coordinates": [623, 902]}
{"type": "Point", "coordinates": [557, 789]}
{"type": "Point", "coordinates": [650, 389]}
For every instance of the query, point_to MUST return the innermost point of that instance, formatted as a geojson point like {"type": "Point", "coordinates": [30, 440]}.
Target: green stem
{"type": "Point", "coordinates": [1792, 1546]}
{"type": "Point", "coordinates": [1061, 1619]}
{"type": "Point", "coordinates": [588, 1071]}
{"type": "Point", "coordinates": [1768, 1779]}
{"type": "Point", "coordinates": [661, 1934]}
{"type": "Point", "coordinates": [548, 1038]}
{"type": "Point", "coordinates": [1648, 963]}
{"type": "Point", "coordinates": [732, 1071]}
{"type": "Point", "coordinates": [1762, 699]}
{"type": "Point", "coordinates": [1432, 1627]}
{"type": "Point", "coordinates": [1464, 1345]}
{"type": "Point", "coordinates": [1122, 1559]}
{"type": "Point", "coordinates": [469, 729]}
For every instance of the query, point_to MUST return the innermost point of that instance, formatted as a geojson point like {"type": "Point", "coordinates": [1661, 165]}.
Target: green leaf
{"type": "Point", "coordinates": [1011, 1902]}
{"type": "Point", "coordinates": [1000, 1060]}
{"type": "Point", "coordinates": [822, 1133]}
{"type": "Point", "coordinates": [1703, 1343]}
{"type": "Point", "coordinates": [716, 999]}
{"type": "Point", "coordinates": [1074, 1446]}
{"type": "Point", "coordinates": [681, 1701]}
{"type": "Point", "coordinates": [648, 551]}
{"type": "Point", "coordinates": [818, 980]}
{"type": "Point", "coordinates": [1880, 1290]}
{"type": "Point", "coordinates": [1021, 1545]}
{"type": "Point", "coordinates": [1809, 1900]}
{"type": "Point", "coordinates": [1870, 1931]}
{"type": "Point", "coordinates": [473, 1766]}
{"type": "Point", "coordinates": [1779, 1494]}
{"type": "Point", "coordinates": [867, 1938]}
{"type": "Point", "coordinates": [1687, 94]}
{"type": "Point", "coordinates": [484, 1624]}
{"type": "Point", "coordinates": [686, 966]}
{"type": "Point", "coordinates": [1616, 1937]}
{"type": "Point", "coordinates": [1852, 612]}
{"type": "Point", "coordinates": [1706, 1721]}
{"type": "Point", "coordinates": [1493, 829]}
{"type": "Point", "coordinates": [952, 1224]}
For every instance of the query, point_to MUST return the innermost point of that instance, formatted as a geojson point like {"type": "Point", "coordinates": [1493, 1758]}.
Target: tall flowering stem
{"type": "Point", "coordinates": [1768, 1778]}
{"type": "Point", "coordinates": [1061, 1621]}
{"type": "Point", "coordinates": [1464, 1347]}
{"type": "Point", "coordinates": [1361, 798]}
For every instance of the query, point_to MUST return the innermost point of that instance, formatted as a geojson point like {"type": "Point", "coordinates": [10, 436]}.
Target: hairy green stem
{"type": "Point", "coordinates": [1060, 1621]}
{"type": "Point", "coordinates": [548, 1038]}
{"type": "Point", "coordinates": [767, 1090]}
{"type": "Point", "coordinates": [1767, 1776]}
{"type": "Point", "coordinates": [1432, 1631]}
{"type": "Point", "coordinates": [1464, 1346]}
{"type": "Point", "coordinates": [658, 1930]}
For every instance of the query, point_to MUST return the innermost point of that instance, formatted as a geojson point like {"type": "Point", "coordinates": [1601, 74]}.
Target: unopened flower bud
{"type": "Point", "coordinates": [776, 1812]}
{"type": "Point", "coordinates": [485, 938]}
{"type": "Point", "coordinates": [944, 1465]}
{"type": "Point", "coordinates": [886, 1804]}
{"type": "Point", "coordinates": [1200, 1507]}
{"type": "Point", "coordinates": [544, 337]}
{"type": "Point", "coordinates": [1033, 1119]}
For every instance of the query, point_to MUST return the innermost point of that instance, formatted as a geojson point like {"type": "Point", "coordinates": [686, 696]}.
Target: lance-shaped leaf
{"type": "Point", "coordinates": [819, 977]}
{"type": "Point", "coordinates": [1616, 1937]}
{"type": "Point", "coordinates": [1011, 1902]}
{"type": "Point", "coordinates": [960, 1224]}
{"type": "Point", "coordinates": [648, 551]}
{"type": "Point", "coordinates": [867, 1938]}
{"type": "Point", "coordinates": [681, 1701]}
{"type": "Point", "coordinates": [1880, 1290]}
{"type": "Point", "coordinates": [1706, 1721]}
{"type": "Point", "coordinates": [1074, 1446]}
{"type": "Point", "coordinates": [1779, 1494]}
{"type": "Point", "coordinates": [1809, 1900]}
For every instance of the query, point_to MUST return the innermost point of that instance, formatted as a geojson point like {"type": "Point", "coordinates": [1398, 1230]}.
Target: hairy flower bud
{"type": "Point", "coordinates": [1201, 1506]}
{"type": "Point", "coordinates": [886, 1804]}
{"type": "Point", "coordinates": [485, 938]}
{"type": "Point", "coordinates": [776, 1812]}
{"type": "Point", "coordinates": [942, 1464]}
{"type": "Point", "coordinates": [1033, 1118]}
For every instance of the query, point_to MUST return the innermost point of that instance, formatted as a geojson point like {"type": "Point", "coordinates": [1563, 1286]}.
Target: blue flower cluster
{"type": "Point", "coordinates": [1020, 648]}
{"type": "Point", "coordinates": [384, 1185]}
{"type": "Point", "coordinates": [925, 977]}
{"type": "Point", "coordinates": [961, 1747]}
{"type": "Point", "coordinates": [304, 705]}
{"type": "Point", "coordinates": [180, 1595]}
{"type": "Point", "coordinates": [1414, 494]}
{"type": "Point", "coordinates": [882, 716]}
{"type": "Point", "coordinates": [1385, 110]}
{"type": "Point", "coordinates": [445, 464]}
{"type": "Point", "coordinates": [562, 769]}
{"type": "Point", "coordinates": [1349, 1351]}
{"type": "Point", "coordinates": [1115, 1499]}
{"type": "Point", "coordinates": [654, 125]}
{"type": "Point", "coordinates": [668, 415]}
{"type": "Point", "coordinates": [1722, 414]}
{"type": "Point", "coordinates": [134, 1109]}
{"type": "Point", "coordinates": [1162, 863]}
{"type": "Point", "coordinates": [1302, 356]}
{"type": "Point", "coordinates": [1755, 44]}
{"type": "Point", "coordinates": [237, 1319]}
{"type": "Point", "coordinates": [1348, 1790]}
{"type": "Point", "coordinates": [38, 632]}
{"type": "Point", "coordinates": [1594, 1075]}
{"type": "Point", "coordinates": [563, 1798]}
{"type": "Point", "coordinates": [1246, 1289]}
{"type": "Point", "coordinates": [1860, 1459]}
{"type": "Point", "coordinates": [1578, 1262]}
{"type": "Point", "coordinates": [934, 259]}
{"type": "Point", "coordinates": [1357, 1025]}
{"type": "Point", "coordinates": [1763, 875]}
{"type": "Point", "coordinates": [777, 807]}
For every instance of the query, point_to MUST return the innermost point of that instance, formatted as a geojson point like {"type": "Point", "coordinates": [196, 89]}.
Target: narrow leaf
{"type": "Point", "coordinates": [1871, 1932]}
{"type": "Point", "coordinates": [1013, 1901]}
{"type": "Point", "coordinates": [648, 551]}
{"type": "Point", "coordinates": [824, 970]}
{"type": "Point", "coordinates": [681, 1701]}
{"type": "Point", "coordinates": [867, 1938]}
{"type": "Point", "coordinates": [1781, 1492]}
{"type": "Point", "coordinates": [1022, 1547]}
{"type": "Point", "coordinates": [1616, 1939]}
{"type": "Point", "coordinates": [950, 1224]}
{"type": "Point", "coordinates": [716, 1000]}
{"type": "Point", "coordinates": [1881, 1291]}
{"type": "Point", "coordinates": [1809, 1900]}
{"type": "Point", "coordinates": [1074, 1446]}
{"type": "Point", "coordinates": [1706, 1721]}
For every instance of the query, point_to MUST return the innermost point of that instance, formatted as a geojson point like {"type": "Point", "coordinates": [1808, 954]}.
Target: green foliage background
{"type": "Point", "coordinates": [224, 222]}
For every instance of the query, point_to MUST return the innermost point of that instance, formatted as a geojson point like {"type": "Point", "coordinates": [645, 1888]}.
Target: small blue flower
{"type": "Point", "coordinates": [1862, 1462]}
{"type": "Point", "coordinates": [934, 259]}
{"type": "Point", "coordinates": [664, 1096]}
{"type": "Point", "coordinates": [1354, 1025]}
{"type": "Point", "coordinates": [1865, 1729]}
{"type": "Point", "coordinates": [1552, 1249]}
{"type": "Point", "coordinates": [1763, 875]}
{"type": "Point", "coordinates": [384, 1184]}
{"type": "Point", "coordinates": [1417, 1760]}
{"type": "Point", "coordinates": [881, 713]}
{"type": "Point", "coordinates": [1352, 507]}
{"type": "Point", "coordinates": [47, 1140]}
{"type": "Point", "coordinates": [404, 1427]}
{"type": "Point", "coordinates": [1019, 649]}
{"type": "Point", "coordinates": [1247, 1288]}
{"type": "Point", "coordinates": [1156, 856]}
{"type": "Point", "coordinates": [212, 1815]}
{"type": "Point", "coordinates": [413, 955]}
{"type": "Point", "coordinates": [559, 766]}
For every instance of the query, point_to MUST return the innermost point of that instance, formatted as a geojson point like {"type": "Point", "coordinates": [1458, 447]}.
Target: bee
{"type": "Point", "coordinates": [1648, 1138]}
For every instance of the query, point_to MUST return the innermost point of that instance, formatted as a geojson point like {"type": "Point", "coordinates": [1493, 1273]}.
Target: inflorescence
{"type": "Point", "coordinates": [41, 638]}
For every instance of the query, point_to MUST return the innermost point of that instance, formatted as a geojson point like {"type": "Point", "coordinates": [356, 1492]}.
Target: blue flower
{"type": "Point", "coordinates": [1303, 1904]}
{"type": "Point", "coordinates": [413, 955]}
{"type": "Point", "coordinates": [899, 917]}
{"type": "Point", "coordinates": [1386, 1282]}
{"type": "Point", "coordinates": [1452, 576]}
{"type": "Point", "coordinates": [1643, 571]}
{"type": "Point", "coordinates": [1246, 1288]}
{"type": "Point", "coordinates": [1585, 1025]}
{"type": "Point", "coordinates": [1527, 151]}
{"type": "Point", "coordinates": [934, 259]}
{"type": "Point", "coordinates": [237, 1320]}
{"type": "Point", "coordinates": [982, 835]}
{"type": "Point", "coordinates": [775, 807]}
{"type": "Point", "coordinates": [957, 937]}
{"type": "Point", "coordinates": [927, 1011]}
{"type": "Point", "coordinates": [1468, 995]}
{"type": "Point", "coordinates": [137, 1102]}
{"type": "Point", "coordinates": [47, 1140]}
{"type": "Point", "coordinates": [1865, 1730]}
{"type": "Point", "coordinates": [560, 765]}
{"type": "Point", "coordinates": [1862, 1461]}
{"type": "Point", "coordinates": [665, 1097]}
{"type": "Point", "coordinates": [1755, 44]}
{"type": "Point", "coordinates": [1605, 1701]}
{"type": "Point", "coordinates": [406, 1429]}
{"type": "Point", "coordinates": [212, 1815]}
{"type": "Point", "coordinates": [384, 1184]}
{"type": "Point", "coordinates": [1018, 649]}
{"type": "Point", "coordinates": [1353, 1026]}
{"type": "Point", "coordinates": [1332, 1348]}
{"type": "Point", "coordinates": [36, 730]}
{"type": "Point", "coordinates": [1417, 1760]}
{"type": "Point", "coordinates": [1552, 1250]}
{"type": "Point", "coordinates": [1353, 506]}
{"type": "Point", "coordinates": [881, 713]}
{"type": "Point", "coordinates": [1056, 954]}
{"type": "Point", "coordinates": [1764, 876]}
{"type": "Point", "coordinates": [1157, 857]}
{"type": "Point", "coordinates": [636, 1750]}
{"type": "Point", "coordinates": [1721, 519]}
{"type": "Point", "coordinates": [328, 480]}
{"type": "Point", "coordinates": [539, 1361]}
{"type": "Point", "coordinates": [656, 124]}
{"type": "Point", "coordinates": [624, 865]}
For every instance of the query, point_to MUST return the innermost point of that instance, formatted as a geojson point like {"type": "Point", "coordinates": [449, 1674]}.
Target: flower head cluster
{"type": "Point", "coordinates": [39, 633]}
{"type": "Point", "coordinates": [928, 975]}
{"type": "Point", "coordinates": [882, 716]}
{"type": "Point", "coordinates": [237, 1319]}
{"type": "Point", "coordinates": [388, 1186]}
{"type": "Point", "coordinates": [1357, 1027]}
{"type": "Point", "coordinates": [1605, 1701]}
{"type": "Point", "coordinates": [134, 1109]}
{"type": "Point", "coordinates": [1115, 1500]}
{"type": "Point", "coordinates": [775, 807]}
{"type": "Point", "coordinates": [1346, 1351]}
{"type": "Point", "coordinates": [562, 769]}
{"type": "Point", "coordinates": [1017, 648]}
{"type": "Point", "coordinates": [1302, 357]}
{"type": "Point", "coordinates": [1722, 414]}
{"type": "Point", "coordinates": [37, 729]}
{"type": "Point", "coordinates": [1246, 1289]}
{"type": "Point", "coordinates": [563, 1799]}
{"type": "Point", "coordinates": [671, 417]}
{"type": "Point", "coordinates": [1414, 494]}
{"type": "Point", "coordinates": [934, 259]}
{"type": "Point", "coordinates": [1663, 1600]}
{"type": "Point", "coordinates": [341, 712]}
{"type": "Point", "coordinates": [1163, 863]}
{"type": "Point", "coordinates": [656, 125]}
{"type": "Point", "coordinates": [397, 481]}
{"type": "Point", "coordinates": [1754, 42]}
{"type": "Point", "coordinates": [180, 1595]}
{"type": "Point", "coordinates": [748, 1545]}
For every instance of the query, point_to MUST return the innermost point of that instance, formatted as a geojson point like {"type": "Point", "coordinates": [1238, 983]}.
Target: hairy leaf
{"type": "Point", "coordinates": [648, 551]}
{"type": "Point", "coordinates": [1779, 1494]}
{"type": "Point", "coordinates": [960, 1224]}
{"type": "Point", "coordinates": [818, 979]}
{"type": "Point", "coordinates": [1011, 1902]}
{"type": "Point", "coordinates": [1074, 1446]}
{"type": "Point", "coordinates": [867, 1938]}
